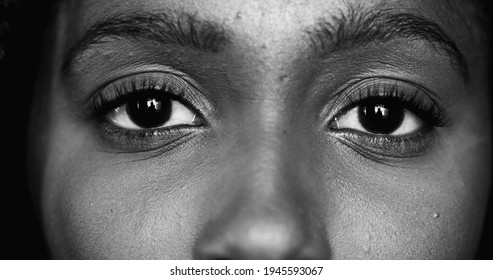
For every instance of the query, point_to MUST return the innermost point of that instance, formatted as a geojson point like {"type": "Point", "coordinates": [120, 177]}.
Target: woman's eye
{"type": "Point", "coordinates": [387, 119]}
{"type": "Point", "coordinates": [150, 110]}
{"type": "Point", "coordinates": [379, 115]}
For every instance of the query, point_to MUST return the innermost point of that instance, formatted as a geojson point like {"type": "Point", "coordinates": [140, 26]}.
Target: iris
{"type": "Point", "coordinates": [149, 110]}
{"type": "Point", "coordinates": [381, 116]}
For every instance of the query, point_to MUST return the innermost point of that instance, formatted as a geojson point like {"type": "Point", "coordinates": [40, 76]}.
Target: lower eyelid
{"type": "Point", "coordinates": [119, 139]}
{"type": "Point", "coordinates": [378, 147]}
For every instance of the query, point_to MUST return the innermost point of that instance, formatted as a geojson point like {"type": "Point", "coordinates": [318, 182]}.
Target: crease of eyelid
{"type": "Point", "coordinates": [329, 112]}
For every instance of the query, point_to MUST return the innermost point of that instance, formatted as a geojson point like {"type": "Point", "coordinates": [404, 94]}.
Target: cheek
{"type": "Point", "coordinates": [433, 211]}
{"type": "Point", "coordinates": [94, 208]}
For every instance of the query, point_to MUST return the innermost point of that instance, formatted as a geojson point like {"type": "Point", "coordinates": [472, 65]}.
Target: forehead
{"type": "Point", "coordinates": [274, 29]}
{"type": "Point", "coordinates": [266, 21]}
{"type": "Point", "coordinates": [275, 32]}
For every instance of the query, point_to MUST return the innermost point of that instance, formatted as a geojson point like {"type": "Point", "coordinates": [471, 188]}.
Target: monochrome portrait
{"type": "Point", "coordinates": [283, 129]}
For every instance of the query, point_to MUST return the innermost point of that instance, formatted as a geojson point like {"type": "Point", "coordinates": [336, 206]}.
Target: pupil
{"type": "Point", "coordinates": [149, 110]}
{"type": "Point", "coordinates": [380, 115]}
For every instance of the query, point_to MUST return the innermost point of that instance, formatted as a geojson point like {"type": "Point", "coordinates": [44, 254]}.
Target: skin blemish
{"type": "Point", "coordinates": [283, 78]}
{"type": "Point", "coordinates": [436, 215]}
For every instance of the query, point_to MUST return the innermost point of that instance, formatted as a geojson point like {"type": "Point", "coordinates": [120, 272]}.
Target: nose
{"type": "Point", "coordinates": [267, 201]}
{"type": "Point", "coordinates": [263, 226]}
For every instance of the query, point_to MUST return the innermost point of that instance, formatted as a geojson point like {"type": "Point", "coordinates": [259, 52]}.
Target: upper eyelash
{"type": "Point", "coordinates": [123, 90]}
{"type": "Point", "coordinates": [430, 111]}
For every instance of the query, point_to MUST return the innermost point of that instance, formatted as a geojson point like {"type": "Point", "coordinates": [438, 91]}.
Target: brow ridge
{"type": "Point", "coordinates": [356, 28]}
{"type": "Point", "coordinates": [182, 29]}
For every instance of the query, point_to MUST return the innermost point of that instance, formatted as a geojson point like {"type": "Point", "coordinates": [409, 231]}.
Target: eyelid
{"type": "Point", "coordinates": [180, 85]}
{"type": "Point", "coordinates": [117, 92]}
{"type": "Point", "coordinates": [350, 94]}
{"type": "Point", "coordinates": [385, 148]}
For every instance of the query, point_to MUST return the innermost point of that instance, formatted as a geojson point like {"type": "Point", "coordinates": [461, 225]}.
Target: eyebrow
{"type": "Point", "coordinates": [180, 29]}
{"type": "Point", "coordinates": [358, 28]}
{"type": "Point", "coordinates": [352, 29]}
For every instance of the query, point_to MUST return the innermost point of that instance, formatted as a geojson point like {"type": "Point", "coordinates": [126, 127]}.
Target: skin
{"type": "Point", "coordinates": [266, 178]}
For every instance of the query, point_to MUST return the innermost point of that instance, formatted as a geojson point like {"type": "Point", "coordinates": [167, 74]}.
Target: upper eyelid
{"type": "Point", "coordinates": [389, 81]}
{"type": "Point", "coordinates": [141, 81]}
{"type": "Point", "coordinates": [415, 98]}
{"type": "Point", "coordinates": [343, 96]}
{"type": "Point", "coordinates": [191, 92]}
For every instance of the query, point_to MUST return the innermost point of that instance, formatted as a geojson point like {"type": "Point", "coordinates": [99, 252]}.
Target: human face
{"type": "Point", "coordinates": [262, 130]}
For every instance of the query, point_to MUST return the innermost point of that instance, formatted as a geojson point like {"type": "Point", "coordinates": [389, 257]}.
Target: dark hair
{"type": "Point", "coordinates": [21, 34]}
{"type": "Point", "coordinates": [485, 249]}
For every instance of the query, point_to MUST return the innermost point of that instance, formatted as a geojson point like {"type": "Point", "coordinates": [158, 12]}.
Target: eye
{"type": "Point", "coordinates": [151, 109]}
{"type": "Point", "coordinates": [384, 118]}
{"type": "Point", "coordinates": [380, 115]}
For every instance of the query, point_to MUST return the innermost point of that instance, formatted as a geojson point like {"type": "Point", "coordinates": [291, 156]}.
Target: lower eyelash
{"type": "Point", "coordinates": [379, 148]}
{"type": "Point", "coordinates": [146, 140]}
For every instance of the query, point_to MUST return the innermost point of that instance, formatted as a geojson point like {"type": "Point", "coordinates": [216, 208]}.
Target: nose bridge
{"type": "Point", "coordinates": [266, 169]}
{"type": "Point", "coordinates": [262, 119]}
{"type": "Point", "coordinates": [263, 175]}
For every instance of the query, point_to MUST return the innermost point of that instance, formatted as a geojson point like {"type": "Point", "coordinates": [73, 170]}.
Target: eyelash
{"type": "Point", "coordinates": [412, 97]}
{"type": "Point", "coordinates": [118, 92]}
{"type": "Point", "coordinates": [415, 101]}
